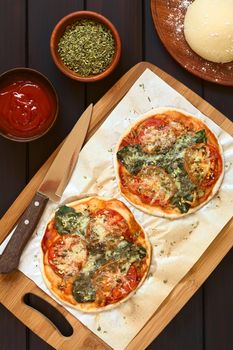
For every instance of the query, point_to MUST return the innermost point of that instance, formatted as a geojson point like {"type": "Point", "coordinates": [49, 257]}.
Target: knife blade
{"type": "Point", "coordinates": [51, 188]}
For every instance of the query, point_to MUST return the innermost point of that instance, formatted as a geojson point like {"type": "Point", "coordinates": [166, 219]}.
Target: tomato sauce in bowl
{"type": "Point", "coordinates": [28, 104]}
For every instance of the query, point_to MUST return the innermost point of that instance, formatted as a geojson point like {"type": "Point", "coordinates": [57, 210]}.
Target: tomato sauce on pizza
{"type": "Point", "coordinates": [95, 254]}
{"type": "Point", "coordinates": [169, 163]}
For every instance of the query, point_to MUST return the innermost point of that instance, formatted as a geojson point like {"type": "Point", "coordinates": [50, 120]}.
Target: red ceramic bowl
{"type": "Point", "coordinates": [60, 29]}
{"type": "Point", "coordinates": [28, 104]}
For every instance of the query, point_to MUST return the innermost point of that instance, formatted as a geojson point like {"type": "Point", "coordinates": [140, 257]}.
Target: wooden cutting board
{"type": "Point", "coordinates": [13, 287]}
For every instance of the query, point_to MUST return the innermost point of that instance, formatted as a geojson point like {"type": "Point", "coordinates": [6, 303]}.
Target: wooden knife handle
{"type": "Point", "coordinates": [9, 259]}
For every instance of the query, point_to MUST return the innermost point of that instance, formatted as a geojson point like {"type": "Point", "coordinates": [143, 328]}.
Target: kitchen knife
{"type": "Point", "coordinates": [51, 188]}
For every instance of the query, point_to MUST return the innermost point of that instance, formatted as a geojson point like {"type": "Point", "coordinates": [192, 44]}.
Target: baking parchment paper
{"type": "Point", "coordinates": [177, 244]}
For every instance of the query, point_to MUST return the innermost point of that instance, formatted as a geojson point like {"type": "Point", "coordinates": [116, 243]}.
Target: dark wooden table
{"type": "Point", "coordinates": [206, 322]}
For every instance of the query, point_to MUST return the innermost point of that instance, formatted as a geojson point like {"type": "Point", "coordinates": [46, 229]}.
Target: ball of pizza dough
{"type": "Point", "coordinates": [208, 29]}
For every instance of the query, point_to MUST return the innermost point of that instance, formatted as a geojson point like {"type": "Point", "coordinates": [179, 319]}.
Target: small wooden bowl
{"type": "Point", "coordinates": [60, 29]}
{"type": "Point", "coordinates": [26, 74]}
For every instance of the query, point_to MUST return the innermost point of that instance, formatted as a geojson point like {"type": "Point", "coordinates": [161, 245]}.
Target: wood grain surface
{"type": "Point", "coordinates": [205, 322]}
{"type": "Point", "coordinates": [168, 17]}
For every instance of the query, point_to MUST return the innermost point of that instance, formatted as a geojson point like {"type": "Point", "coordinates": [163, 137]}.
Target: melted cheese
{"type": "Point", "coordinates": [70, 256]}
{"type": "Point", "coordinates": [90, 264]}
{"type": "Point", "coordinates": [106, 228]}
{"type": "Point", "coordinates": [157, 139]}
{"type": "Point", "coordinates": [110, 276]}
{"type": "Point", "coordinates": [199, 163]}
{"type": "Point", "coordinates": [100, 228]}
{"type": "Point", "coordinates": [156, 184]}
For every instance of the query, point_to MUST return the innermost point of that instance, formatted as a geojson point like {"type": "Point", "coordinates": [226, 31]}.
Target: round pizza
{"type": "Point", "coordinates": [94, 254]}
{"type": "Point", "coordinates": [169, 163]}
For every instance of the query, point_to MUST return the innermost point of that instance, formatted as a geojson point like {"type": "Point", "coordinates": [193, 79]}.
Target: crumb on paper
{"type": "Point", "coordinates": [164, 281]}
{"type": "Point", "coordinates": [85, 177]}
{"type": "Point", "coordinates": [142, 86]}
{"type": "Point", "coordinates": [161, 252]}
{"type": "Point", "coordinates": [99, 328]}
{"type": "Point", "coordinates": [150, 274]}
{"type": "Point", "coordinates": [195, 224]}
{"type": "Point", "coordinates": [153, 231]}
{"type": "Point", "coordinates": [148, 98]}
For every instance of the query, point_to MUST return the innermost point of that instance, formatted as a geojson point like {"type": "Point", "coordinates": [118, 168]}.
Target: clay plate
{"type": "Point", "coordinates": [168, 17]}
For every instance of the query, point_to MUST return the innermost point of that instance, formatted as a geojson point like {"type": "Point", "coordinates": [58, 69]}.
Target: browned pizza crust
{"type": "Point", "coordinates": [134, 199]}
{"type": "Point", "coordinates": [54, 281]}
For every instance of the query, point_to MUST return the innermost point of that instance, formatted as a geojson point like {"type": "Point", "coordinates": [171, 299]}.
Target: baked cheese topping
{"type": "Point", "coordinates": [106, 229]}
{"type": "Point", "coordinates": [99, 228]}
{"type": "Point", "coordinates": [112, 279]}
{"type": "Point", "coordinates": [153, 139]}
{"type": "Point", "coordinates": [156, 184]}
{"type": "Point", "coordinates": [200, 163]}
{"type": "Point", "coordinates": [68, 255]}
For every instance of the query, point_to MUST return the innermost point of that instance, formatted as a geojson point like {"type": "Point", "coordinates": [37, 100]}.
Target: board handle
{"type": "Point", "coordinates": [50, 312]}
{"type": "Point", "coordinates": [13, 289]}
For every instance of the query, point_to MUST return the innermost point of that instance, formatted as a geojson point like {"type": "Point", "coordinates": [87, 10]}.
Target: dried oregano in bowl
{"type": "Point", "coordinates": [87, 47]}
